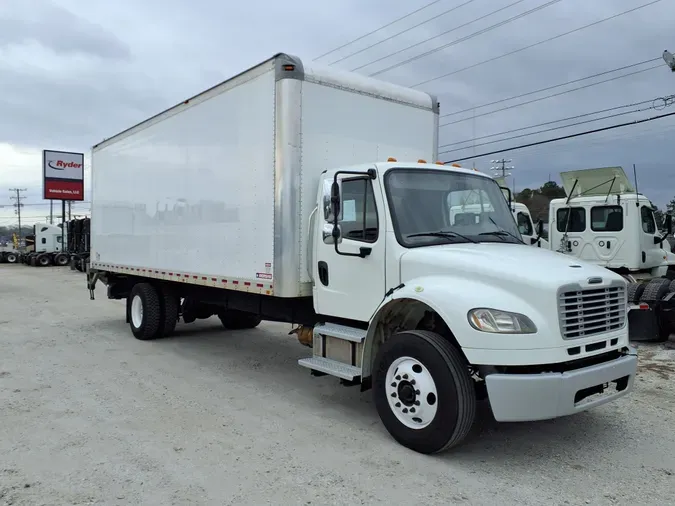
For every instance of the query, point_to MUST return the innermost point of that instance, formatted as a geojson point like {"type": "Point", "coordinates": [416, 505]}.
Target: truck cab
{"type": "Point", "coordinates": [605, 221]}
{"type": "Point", "coordinates": [395, 264]}
{"type": "Point", "coordinates": [48, 238]}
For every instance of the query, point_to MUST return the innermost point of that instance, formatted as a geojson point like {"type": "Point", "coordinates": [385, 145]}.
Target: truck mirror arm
{"type": "Point", "coordinates": [335, 198]}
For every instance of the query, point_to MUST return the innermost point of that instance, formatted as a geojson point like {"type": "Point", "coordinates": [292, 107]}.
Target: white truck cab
{"type": "Point", "coordinates": [605, 221]}
{"type": "Point", "coordinates": [446, 295]}
{"type": "Point", "coordinates": [48, 238]}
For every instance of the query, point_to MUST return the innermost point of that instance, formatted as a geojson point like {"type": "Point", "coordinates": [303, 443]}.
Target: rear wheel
{"type": "Point", "coordinates": [423, 392]}
{"type": "Point", "coordinates": [169, 305]}
{"type": "Point", "coordinates": [61, 259]}
{"type": "Point", "coordinates": [11, 258]}
{"type": "Point", "coordinates": [143, 305]}
{"type": "Point", "coordinates": [44, 261]}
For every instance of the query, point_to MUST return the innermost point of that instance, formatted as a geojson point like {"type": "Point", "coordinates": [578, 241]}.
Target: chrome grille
{"type": "Point", "coordinates": [588, 312]}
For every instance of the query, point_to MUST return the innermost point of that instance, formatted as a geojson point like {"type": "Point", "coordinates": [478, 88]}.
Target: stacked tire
{"type": "Point", "coordinates": [653, 294]}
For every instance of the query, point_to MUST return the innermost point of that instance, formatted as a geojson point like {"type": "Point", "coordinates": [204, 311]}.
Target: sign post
{"type": "Point", "coordinates": [63, 179]}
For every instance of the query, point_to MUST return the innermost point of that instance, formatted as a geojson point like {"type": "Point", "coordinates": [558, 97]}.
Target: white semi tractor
{"type": "Point", "coordinates": [286, 206]}
{"type": "Point", "coordinates": [48, 246]}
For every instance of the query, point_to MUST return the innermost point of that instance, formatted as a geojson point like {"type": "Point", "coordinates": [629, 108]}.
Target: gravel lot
{"type": "Point", "coordinates": [89, 415]}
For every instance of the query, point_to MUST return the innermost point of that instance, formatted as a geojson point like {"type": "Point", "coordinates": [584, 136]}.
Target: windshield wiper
{"type": "Point", "coordinates": [442, 233]}
{"type": "Point", "coordinates": [501, 233]}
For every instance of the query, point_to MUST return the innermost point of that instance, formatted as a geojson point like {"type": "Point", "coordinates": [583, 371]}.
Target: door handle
{"type": "Point", "coordinates": [323, 272]}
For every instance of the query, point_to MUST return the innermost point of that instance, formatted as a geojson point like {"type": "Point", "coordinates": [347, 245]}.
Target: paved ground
{"type": "Point", "coordinates": [89, 415]}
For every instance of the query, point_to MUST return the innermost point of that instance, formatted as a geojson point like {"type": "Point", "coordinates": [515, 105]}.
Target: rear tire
{"type": "Point", "coordinates": [655, 290]}
{"type": "Point", "coordinates": [11, 258]}
{"type": "Point", "coordinates": [61, 260]}
{"type": "Point", "coordinates": [635, 292]}
{"type": "Point", "coordinates": [169, 306]}
{"type": "Point", "coordinates": [442, 395]}
{"type": "Point", "coordinates": [145, 312]}
{"type": "Point", "coordinates": [44, 261]}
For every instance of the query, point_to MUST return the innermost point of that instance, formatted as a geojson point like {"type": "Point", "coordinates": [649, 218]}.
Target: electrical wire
{"type": "Point", "coordinates": [548, 88]}
{"type": "Point", "coordinates": [433, 18]}
{"type": "Point", "coordinates": [491, 60]}
{"type": "Point", "coordinates": [378, 29]}
{"type": "Point", "coordinates": [506, 108]}
{"type": "Point", "coordinates": [570, 136]}
{"type": "Point", "coordinates": [462, 39]}
{"type": "Point", "coordinates": [656, 104]}
{"type": "Point", "coordinates": [610, 116]}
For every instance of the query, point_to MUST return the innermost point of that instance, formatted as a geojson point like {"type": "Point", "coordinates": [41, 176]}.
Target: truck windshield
{"type": "Point", "coordinates": [441, 206]}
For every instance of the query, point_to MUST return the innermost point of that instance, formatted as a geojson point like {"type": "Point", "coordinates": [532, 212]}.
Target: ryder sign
{"type": "Point", "coordinates": [63, 175]}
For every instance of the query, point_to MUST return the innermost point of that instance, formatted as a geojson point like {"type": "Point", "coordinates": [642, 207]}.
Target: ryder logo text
{"type": "Point", "coordinates": [61, 165]}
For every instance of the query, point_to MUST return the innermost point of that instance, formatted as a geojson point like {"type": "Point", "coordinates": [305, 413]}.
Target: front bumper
{"type": "Point", "coordinates": [529, 397]}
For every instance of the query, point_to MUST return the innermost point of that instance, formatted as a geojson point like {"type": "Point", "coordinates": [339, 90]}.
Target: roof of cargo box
{"type": "Point", "coordinates": [291, 67]}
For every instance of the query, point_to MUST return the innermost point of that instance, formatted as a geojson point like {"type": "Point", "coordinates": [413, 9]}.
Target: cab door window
{"type": "Point", "coordinates": [576, 217]}
{"type": "Point", "coordinates": [647, 218]}
{"type": "Point", "coordinates": [524, 223]}
{"type": "Point", "coordinates": [359, 213]}
{"type": "Point", "coordinates": [607, 219]}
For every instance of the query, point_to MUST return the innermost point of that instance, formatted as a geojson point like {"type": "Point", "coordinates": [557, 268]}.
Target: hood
{"type": "Point", "coordinates": [500, 264]}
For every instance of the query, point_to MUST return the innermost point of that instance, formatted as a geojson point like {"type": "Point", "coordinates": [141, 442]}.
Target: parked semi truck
{"type": "Point", "coordinates": [604, 220]}
{"type": "Point", "coordinates": [304, 195]}
{"type": "Point", "coordinates": [46, 246]}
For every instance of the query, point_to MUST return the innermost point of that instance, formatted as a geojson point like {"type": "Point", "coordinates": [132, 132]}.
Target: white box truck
{"type": "Point", "coordinates": [272, 196]}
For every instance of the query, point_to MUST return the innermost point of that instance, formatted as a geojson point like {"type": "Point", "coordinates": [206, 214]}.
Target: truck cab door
{"type": "Point", "coordinates": [652, 254]}
{"type": "Point", "coordinates": [349, 271]}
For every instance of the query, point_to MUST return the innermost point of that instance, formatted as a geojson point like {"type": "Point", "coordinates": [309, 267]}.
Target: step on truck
{"type": "Point", "coordinates": [606, 221]}
{"type": "Point", "coordinates": [311, 196]}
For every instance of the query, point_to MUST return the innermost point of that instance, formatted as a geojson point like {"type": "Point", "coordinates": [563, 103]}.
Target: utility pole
{"type": "Point", "coordinates": [18, 205]}
{"type": "Point", "coordinates": [500, 165]}
{"type": "Point", "coordinates": [69, 209]}
{"type": "Point", "coordinates": [51, 212]}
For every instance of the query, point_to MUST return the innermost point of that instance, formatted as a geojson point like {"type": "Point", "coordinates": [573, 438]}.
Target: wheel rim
{"type": "Point", "coordinates": [137, 311]}
{"type": "Point", "coordinates": [411, 392]}
{"type": "Point", "coordinates": [43, 261]}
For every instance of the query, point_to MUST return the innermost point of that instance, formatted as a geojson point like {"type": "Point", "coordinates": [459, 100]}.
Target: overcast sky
{"type": "Point", "coordinates": [73, 72]}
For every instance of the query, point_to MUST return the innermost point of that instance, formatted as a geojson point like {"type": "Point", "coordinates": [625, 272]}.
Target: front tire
{"type": "Point", "coordinates": [145, 312]}
{"type": "Point", "coordinates": [423, 392]}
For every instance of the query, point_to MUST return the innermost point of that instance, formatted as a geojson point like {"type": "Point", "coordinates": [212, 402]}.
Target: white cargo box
{"type": "Point", "coordinates": [218, 190]}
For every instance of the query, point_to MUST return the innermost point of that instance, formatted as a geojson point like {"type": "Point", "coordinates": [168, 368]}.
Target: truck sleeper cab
{"type": "Point", "coordinates": [431, 308]}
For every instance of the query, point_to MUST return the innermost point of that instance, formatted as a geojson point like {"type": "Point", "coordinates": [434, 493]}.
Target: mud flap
{"type": "Point", "coordinates": [643, 325]}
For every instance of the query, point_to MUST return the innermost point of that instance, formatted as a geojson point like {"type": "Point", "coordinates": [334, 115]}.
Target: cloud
{"type": "Point", "coordinates": [73, 72]}
{"type": "Point", "coordinates": [57, 29]}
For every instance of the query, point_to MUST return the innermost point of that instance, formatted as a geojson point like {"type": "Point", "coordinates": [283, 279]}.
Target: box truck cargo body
{"type": "Point", "coordinates": [311, 196]}
{"type": "Point", "coordinates": [220, 187]}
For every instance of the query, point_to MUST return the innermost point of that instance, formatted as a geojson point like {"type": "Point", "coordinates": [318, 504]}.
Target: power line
{"type": "Point", "coordinates": [566, 83]}
{"type": "Point", "coordinates": [609, 116]}
{"type": "Point", "coordinates": [506, 108]}
{"type": "Point", "coordinates": [570, 136]}
{"type": "Point", "coordinates": [491, 60]}
{"type": "Point", "coordinates": [462, 39]}
{"type": "Point", "coordinates": [433, 18]}
{"type": "Point", "coordinates": [657, 104]}
{"type": "Point", "coordinates": [378, 29]}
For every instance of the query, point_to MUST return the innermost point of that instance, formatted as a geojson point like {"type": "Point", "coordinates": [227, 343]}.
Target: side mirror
{"type": "Point", "coordinates": [669, 223]}
{"type": "Point", "coordinates": [328, 207]}
{"type": "Point", "coordinates": [508, 190]}
{"type": "Point", "coordinates": [540, 228]}
{"type": "Point", "coordinates": [329, 234]}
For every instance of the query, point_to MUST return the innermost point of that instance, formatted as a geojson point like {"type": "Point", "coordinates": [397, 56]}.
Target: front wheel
{"type": "Point", "coordinates": [423, 392]}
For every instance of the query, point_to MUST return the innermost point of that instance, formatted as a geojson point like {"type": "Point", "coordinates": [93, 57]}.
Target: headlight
{"type": "Point", "coordinates": [500, 322]}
